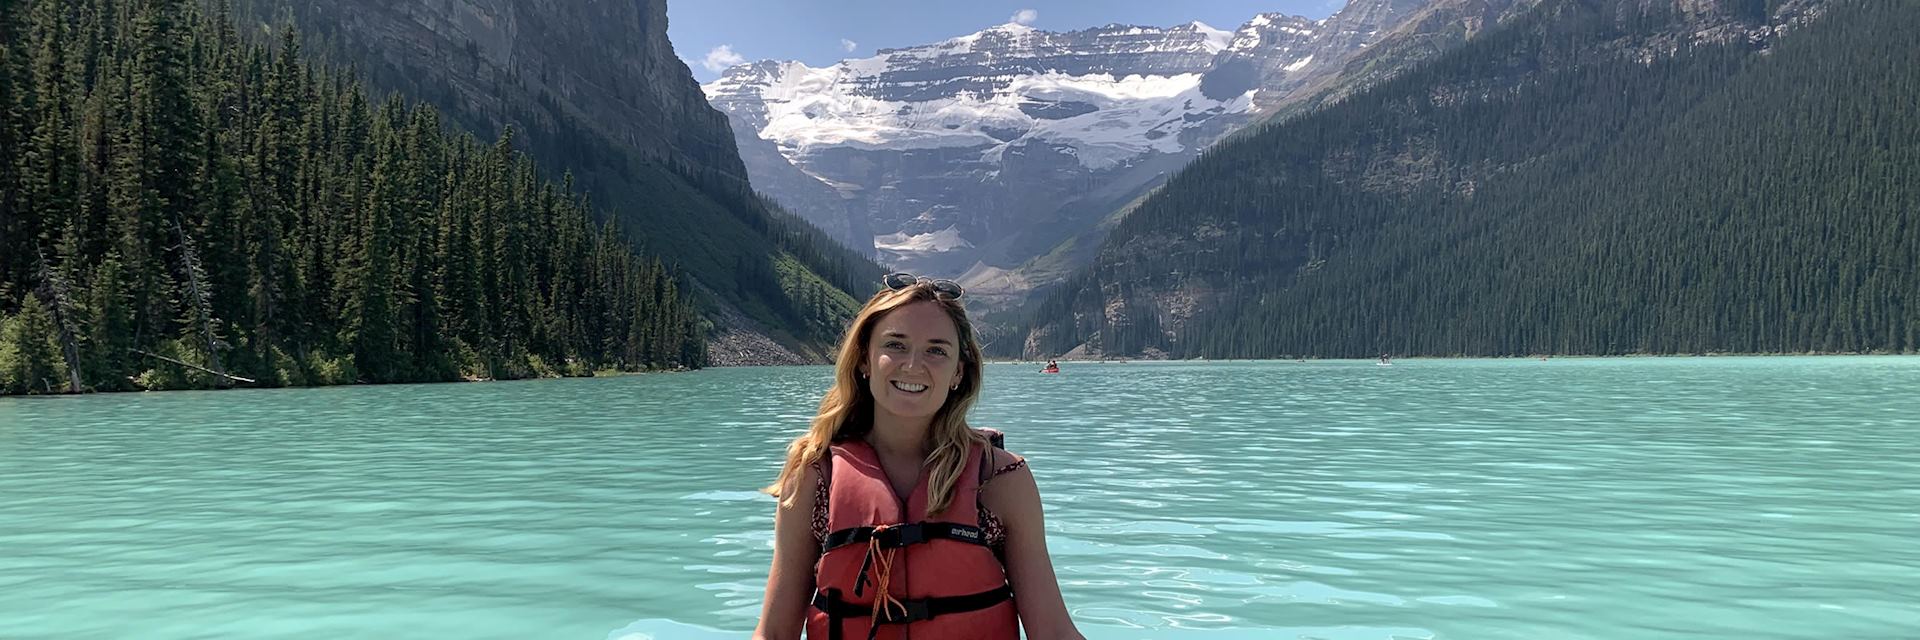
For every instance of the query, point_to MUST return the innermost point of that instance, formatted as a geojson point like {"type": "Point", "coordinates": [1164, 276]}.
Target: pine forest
{"type": "Point", "coordinates": [182, 206]}
{"type": "Point", "coordinates": [1538, 191]}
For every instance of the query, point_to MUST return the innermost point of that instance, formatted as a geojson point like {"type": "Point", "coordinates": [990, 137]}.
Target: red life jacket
{"type": "Point", "coordinates": [887, 570]}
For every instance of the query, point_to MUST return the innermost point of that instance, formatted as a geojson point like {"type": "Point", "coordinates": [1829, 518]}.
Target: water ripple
{"type": "Point", "coordinates": [1737, 498]}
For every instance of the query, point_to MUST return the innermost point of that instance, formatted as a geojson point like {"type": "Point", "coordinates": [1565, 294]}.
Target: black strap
{"type": "Point", "coordinates": [905, 534]}
{"type": "Point", "coordinates": [995, 440]}
{"type": "Point", "coordinates": [829, 602]}
{"type": "Point", "coordinates": [833, 619]}
{"type": "Point", "coordinates": [986, 467]}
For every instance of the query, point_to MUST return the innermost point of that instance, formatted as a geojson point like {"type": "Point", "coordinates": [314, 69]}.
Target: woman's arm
{"type": "Point", "coordinates": [783, 614]}
{"type": "Point", "coordinates": [1036, 592]}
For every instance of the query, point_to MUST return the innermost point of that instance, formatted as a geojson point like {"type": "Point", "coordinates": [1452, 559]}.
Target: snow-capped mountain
{"type": "Point", "coordinates": [992, 148]}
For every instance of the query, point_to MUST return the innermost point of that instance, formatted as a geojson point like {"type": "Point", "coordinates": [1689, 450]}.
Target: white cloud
{"type": "Point", "coordinates": [848, 45]}
{"type": "Point", "coordinates": [721, 57]}
{"type": "Point", "coordinates": [1024, 16]}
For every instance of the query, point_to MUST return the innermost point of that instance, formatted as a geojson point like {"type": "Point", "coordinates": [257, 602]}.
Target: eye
{"type": "Point", "coordinates": [938, 351]}
{"type": "Point", "coordinates": [896, 345]}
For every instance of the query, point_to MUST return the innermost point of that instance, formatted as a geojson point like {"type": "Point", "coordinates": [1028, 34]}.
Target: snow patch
{"type": "Point", "coordinates": [802, 109]}
{"type": "Point", "coordinates": [947, 239]}
{"type": "Point", "coordinates": [1217, 39]}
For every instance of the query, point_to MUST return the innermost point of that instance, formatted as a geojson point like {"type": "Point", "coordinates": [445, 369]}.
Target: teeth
{"type": "Point", "coordinates": [908, 387]}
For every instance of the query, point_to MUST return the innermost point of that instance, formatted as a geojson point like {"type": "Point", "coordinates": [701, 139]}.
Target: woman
{"type": "Point", "coordinates": [896, 519]}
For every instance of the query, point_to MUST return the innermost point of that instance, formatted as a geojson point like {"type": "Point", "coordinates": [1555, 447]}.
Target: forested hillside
{"type": "Point", "coordinates": [597, 92]}
{"type": "Point", "coordinates": [1560, 185]}
{"type": "Point", "coordinates": [179, 205]}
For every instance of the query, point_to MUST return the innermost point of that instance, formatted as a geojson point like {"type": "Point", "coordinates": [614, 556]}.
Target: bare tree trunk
{"type": "Point", "coordinates": [200, 300]}
{"type": "Point", "coordinates": [53, 288]}
{"type": "Point", "coordinates": [192, 366]}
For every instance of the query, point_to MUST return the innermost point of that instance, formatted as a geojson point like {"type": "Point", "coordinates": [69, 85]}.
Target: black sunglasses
{"type": "Point", "coordinates": [942, 289]}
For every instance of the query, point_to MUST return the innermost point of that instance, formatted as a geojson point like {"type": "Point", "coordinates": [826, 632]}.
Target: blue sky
{"type": "Point", "coordinates": [820, 32]}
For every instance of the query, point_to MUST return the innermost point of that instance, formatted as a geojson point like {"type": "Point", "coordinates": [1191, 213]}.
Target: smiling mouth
{"type": "Point", "coordinates": [909, 387]}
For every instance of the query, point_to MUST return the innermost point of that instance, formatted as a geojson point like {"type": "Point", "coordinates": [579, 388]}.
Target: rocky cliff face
{"type": "Point", "coordinates": [1417, 35]}
{"type": "Point", "coordinates": [942, 155]}
{"type": "Point", "coordinates": [606, 67]}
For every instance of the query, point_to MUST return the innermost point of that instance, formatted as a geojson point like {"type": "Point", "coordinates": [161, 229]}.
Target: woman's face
{"type": "Point", "coordinates": [913, 360]}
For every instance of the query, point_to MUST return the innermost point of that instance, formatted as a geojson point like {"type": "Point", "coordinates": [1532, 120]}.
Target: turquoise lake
{"type": "Point", "coordinates": [1571, 498]}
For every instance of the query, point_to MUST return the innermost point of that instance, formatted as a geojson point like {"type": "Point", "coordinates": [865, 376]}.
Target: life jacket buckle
{"type": "Point", "coordinates": [908, 612]}
{"type": "Point", "coordinates": [900, 535]}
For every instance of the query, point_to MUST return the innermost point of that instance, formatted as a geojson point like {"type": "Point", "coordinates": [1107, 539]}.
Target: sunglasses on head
{"type": "Point", "coordinates": [942, 289]}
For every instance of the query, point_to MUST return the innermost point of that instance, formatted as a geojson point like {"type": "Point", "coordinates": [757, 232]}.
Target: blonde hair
{"type": "Point", "coordinates": [847, 409]}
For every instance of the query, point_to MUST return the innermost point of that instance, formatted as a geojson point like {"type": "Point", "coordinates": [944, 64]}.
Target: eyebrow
{"type": "Point", "coordinates": [896, 334]}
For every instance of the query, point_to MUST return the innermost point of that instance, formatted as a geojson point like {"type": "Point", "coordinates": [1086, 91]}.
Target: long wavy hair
{"type": "Point", "coordinates": [847, 410]}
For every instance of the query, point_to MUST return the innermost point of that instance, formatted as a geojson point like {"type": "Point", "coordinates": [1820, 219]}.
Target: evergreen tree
{"type": "Point", "coordinates": [15, 245]}
{"type": "Point", "coordinates": [29, 356]}
{"type": "Point", "coordinates": [107, 360]}
{"type": "Point", "coordinates": [49, 168]}
{"type": "Point", "coordinates": [369, 309]}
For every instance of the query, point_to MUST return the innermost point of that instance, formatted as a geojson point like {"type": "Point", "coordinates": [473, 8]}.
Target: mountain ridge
{"type": "Point", "coordinates": [1015, 139]}
{"type": "Point", "coordinates": [1546, 190]}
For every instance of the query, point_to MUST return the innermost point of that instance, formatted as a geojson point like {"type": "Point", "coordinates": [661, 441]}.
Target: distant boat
{"type": "Point", "coordinates": [1385, 361]}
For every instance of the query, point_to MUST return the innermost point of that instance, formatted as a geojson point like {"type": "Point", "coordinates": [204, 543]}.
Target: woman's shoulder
{"type": "Point", "coordinates": [998, 441]}
{"type": "Point", "coordinates": [1005, 472]}
{"type": "Point", "coordinates": [1003, 462]}
{"type": "Point", "coordinates": [1003, 458]}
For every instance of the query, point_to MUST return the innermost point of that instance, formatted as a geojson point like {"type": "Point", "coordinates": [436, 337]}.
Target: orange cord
{"type": "Point", "coordinates": [882, 600]}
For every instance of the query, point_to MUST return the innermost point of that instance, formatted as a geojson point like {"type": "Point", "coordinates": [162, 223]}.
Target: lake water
{"type": "Point", "coordinates": [1573, 498]}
